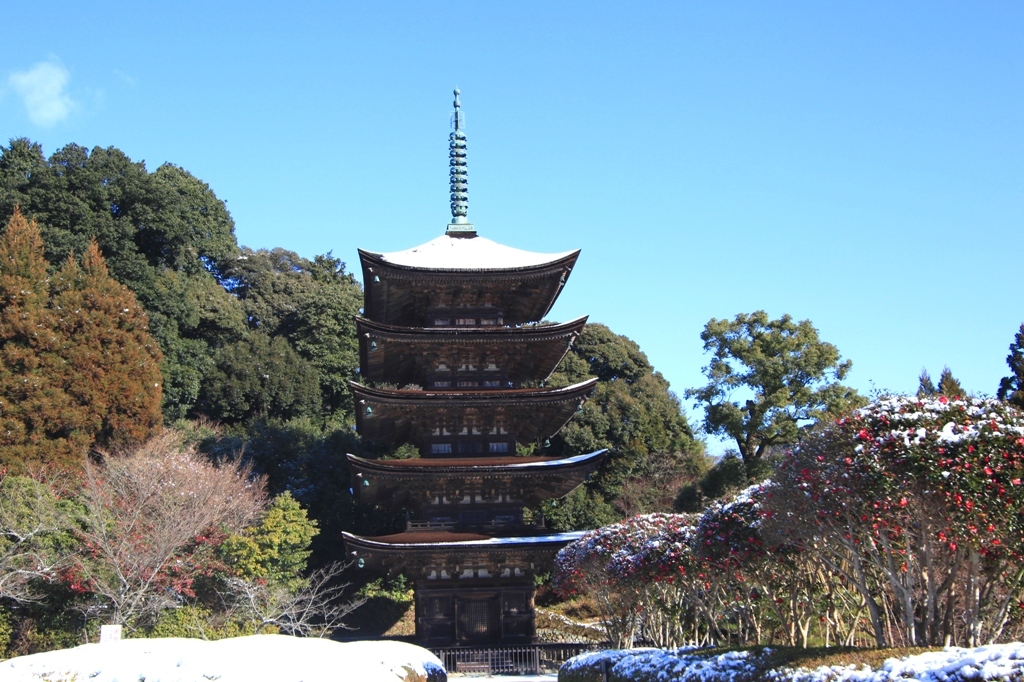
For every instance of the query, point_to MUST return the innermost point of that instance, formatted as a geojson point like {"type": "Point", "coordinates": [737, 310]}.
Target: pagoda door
{"type": "Point", "coordinates": [478, 619]}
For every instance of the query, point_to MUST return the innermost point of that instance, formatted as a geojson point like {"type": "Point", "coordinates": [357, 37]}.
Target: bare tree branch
{"type": "Point", "coordinates": [315, 610]}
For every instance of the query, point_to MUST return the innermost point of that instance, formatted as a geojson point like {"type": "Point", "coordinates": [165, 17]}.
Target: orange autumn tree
{"type": "Point", "coordinates": [77, 364]}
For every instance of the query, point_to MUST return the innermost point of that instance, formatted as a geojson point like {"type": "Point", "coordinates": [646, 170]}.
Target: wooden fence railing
{"type": "Point", "coordinates": [528, 659]}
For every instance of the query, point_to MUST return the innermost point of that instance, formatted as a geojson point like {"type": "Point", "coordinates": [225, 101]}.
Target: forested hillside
{"type": "Point", "coordinates": [258, 346]}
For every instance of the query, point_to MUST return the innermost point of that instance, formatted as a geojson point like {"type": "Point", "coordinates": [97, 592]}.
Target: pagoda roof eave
{"type": "Point", "coordinates": [410, 355]}
{"type": "Point", "coordinates": [389, 544]}
{"type": "Point", "coordinates": [469, 334]}
{"type": "Point", "coordinates": [476, 465]}
{"type": "Point", "coordinates": [513, 396]}
{"type": "Point", "coordinates": [401, 415]}
{"type": "Point", "coordinates": [400, 293]}
{"type": "Point", "coordinates": [531, 479]}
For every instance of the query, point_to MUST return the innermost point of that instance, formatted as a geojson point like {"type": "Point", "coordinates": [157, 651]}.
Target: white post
{"type": "Point", "coordinates": [109, 633]}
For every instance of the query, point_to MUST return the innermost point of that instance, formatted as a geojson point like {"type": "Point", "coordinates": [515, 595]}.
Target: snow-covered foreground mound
{"type": "Point", "coordinates": [260, 658]}
{"type": "Point", "coordinates": [994, 662]}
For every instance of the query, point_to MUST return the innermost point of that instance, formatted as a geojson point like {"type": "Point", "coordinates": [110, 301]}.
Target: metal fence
{"type": "Point", "coordinates": [530, 659]}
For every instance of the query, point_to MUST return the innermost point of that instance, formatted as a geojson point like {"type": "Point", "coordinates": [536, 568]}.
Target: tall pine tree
{"type": "Point", "coordinates": [37, 419]}
{"type": "Point", "coordinates": [79, 366]}
{"type": "Point", "coordinates": [113, 364]}
{"type": "Point", "coordinates": [1011, 388]}
{"type": "Point", "coordinates": [949, 385]}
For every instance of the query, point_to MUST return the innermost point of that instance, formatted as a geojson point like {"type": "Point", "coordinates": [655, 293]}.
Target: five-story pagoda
{"type": "Point", "coordinates": [455, 323]}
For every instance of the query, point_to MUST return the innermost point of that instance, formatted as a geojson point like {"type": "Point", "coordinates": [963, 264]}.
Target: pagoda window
{"type": "Point", "coordinates": [442, 321]}
{"type": "Point", "coordinates": [497, 447]}
{"type": "Point", "coordinates": [492, 384]}
{"type": "Point", "coordinates": [442, 384]}
{"type": "Point", "coordinates": [437, 606]}
{"type": "Point", "coordinates": [465, 321]}
{"type": "Point", "coordinates": [488, 321]}
{"type": "Point", "coordinates": [514, 602]}
{"type": "Point", "coordinates": [440, 448]}
{"type": "Point", "coordinates": [468, 384]}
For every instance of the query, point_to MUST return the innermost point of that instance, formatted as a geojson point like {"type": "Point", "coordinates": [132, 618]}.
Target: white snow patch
{"type": "Point", "coordinates": [259, 658]}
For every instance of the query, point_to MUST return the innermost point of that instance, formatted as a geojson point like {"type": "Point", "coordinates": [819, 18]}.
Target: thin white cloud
{"type": "Point", "coordinates": [43, 89]}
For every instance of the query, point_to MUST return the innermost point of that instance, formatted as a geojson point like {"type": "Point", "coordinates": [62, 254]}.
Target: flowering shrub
{"type": "Point", "coordinates": [667, 569]}
{"type": "Point", "coordinates": [918, 504]}
{"type": "Point", "coordinates": [586, 566]}
{"type": "Point", "coordinates": [904, 519]}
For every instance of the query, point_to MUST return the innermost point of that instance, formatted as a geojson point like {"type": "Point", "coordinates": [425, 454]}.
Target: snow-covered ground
{"type": "Point", "coordinates": [994, 662]}
{"type": "Point", "coordinates": [260, 658]}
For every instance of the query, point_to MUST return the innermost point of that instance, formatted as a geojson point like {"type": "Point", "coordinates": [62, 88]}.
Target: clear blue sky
{"type": "Point", "coordinates": [859, 164]}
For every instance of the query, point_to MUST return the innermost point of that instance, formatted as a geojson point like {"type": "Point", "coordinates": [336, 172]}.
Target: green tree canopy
{"type": "Point", "coordinates": [789, 374]}
{"type": "Point", "coordinates": [309, 303]}
{"type": "Point", "coordinates": [1011, 388]}
{"type": "Point", "coordinates": [259, 377]}
{"type": "Point", "coordinates": [634, 415]}
{"type": "Point", "coordinates": [163, 234]}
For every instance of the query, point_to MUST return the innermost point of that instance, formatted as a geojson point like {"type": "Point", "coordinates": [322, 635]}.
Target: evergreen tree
{"type": "Point", "coordinates": [38, 423]}
{"type": "Point", "coordinates": [925, 385]}
{"type": "Point", "coordinates": [949, 386]}
{"type": "Point", "coordinates": [79, 366]}
{"type": "Point", "coordinates": [309, 303]}
{"type": "Point", "coordinates": [1011, 388]}
{"type": "Point", "coordinates": [113, 362]}
{"type": "Point", "coordinates": [259, 377]}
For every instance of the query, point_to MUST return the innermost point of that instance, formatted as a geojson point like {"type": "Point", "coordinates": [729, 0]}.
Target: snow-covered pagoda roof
{"type": "Point", "coordinates": [424, 550]}
{"type": "Point", "coordinates": [449, 252]}
{"type": "Point", "coordinates": [460, 272]}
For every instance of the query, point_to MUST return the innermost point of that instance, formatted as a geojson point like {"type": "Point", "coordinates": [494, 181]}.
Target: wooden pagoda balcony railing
{"type": "Point", "coordinates": [456, 524]}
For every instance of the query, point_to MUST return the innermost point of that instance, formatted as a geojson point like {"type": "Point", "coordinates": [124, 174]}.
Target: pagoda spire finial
{"type": "Point", "coordinates": [458, 175]}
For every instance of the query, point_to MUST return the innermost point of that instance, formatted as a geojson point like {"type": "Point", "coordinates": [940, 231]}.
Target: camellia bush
{"type": "Point", "coordinates": [900, 524]}
{"type": "Point", "coordinates": [918, 505]}
{"type": "Point", "coordinates": [583, 567]}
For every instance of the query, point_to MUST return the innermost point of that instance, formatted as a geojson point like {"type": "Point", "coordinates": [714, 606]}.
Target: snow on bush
{"type": "Point", "coordinates": [656, 665]}
{"type": "Point", "coordinates": [994, 662]}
